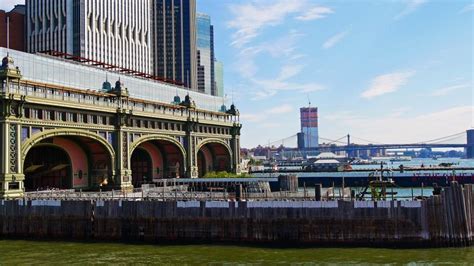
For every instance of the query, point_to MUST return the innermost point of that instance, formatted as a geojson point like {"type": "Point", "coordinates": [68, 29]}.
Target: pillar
{"type": "Point", "coordinates": [11, 174]}
{"type": "Point", "coordinates": [123, 177]}
{"type": "Point", "coordinates": [235, 146]}
{"type": "Point", "coordinates": [191, 168]}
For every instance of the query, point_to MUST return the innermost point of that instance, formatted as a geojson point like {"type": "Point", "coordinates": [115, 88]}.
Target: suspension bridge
{"type": "Point", "coordinates": [351, 144]}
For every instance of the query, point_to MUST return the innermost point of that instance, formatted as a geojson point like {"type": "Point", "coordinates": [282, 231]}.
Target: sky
{"type": "Point", "coordinates": [388, 71]}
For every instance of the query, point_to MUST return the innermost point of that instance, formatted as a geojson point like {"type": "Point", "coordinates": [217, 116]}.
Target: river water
{"type": "Point", "coordinates": [14, 252]}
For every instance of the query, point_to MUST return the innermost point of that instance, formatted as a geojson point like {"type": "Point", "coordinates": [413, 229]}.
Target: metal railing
{"type": "Point", "coordinates": [184, 191]}
{"type": "Point", "coordinates": [107, 100]}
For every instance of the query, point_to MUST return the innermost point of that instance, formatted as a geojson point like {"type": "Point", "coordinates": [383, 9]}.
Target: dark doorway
{"type": "Point", "coordinates": [141, 167]}
{"type": "Point", "coordinates": [201, 162]}
{"type": "Point", "coordinates": [47, 167]}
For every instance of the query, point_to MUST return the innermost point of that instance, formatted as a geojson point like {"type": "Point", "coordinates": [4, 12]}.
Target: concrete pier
{"type": "Point", "coordinates": [440, 221]}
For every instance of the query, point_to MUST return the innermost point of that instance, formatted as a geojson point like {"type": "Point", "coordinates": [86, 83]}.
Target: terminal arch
{"type": "Point", "coordinates": [67, 159]}
{"type": "Point", "coordinates": [156, 156]}
{"type": "Point", "coordinates": [213, 155]}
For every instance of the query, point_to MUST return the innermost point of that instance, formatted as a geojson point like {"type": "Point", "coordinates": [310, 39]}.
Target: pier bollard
{"type": "Point", "coordinates": [317, 191]}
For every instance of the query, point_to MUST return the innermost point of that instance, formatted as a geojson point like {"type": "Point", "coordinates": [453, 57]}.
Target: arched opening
{"type": "Point", "coordinates": [47, 167]}
{"type": "Point", "coordinates": [213, 157]}
{"type": "Point", "coordinates": [67, 162]}
{"type": "Point", "coordinates": [141, 167]}
{"type": "Point", "coordinates": [156, 159]}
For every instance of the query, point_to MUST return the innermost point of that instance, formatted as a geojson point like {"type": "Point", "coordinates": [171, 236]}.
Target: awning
{"type": "Point", "coordinates": [59, 167]}
{"type": "Point", "coordinates": [33, 168]}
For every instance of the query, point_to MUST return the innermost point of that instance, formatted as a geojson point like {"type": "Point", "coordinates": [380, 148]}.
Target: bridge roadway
{"type": "Point", "coordinates": [381, 146]}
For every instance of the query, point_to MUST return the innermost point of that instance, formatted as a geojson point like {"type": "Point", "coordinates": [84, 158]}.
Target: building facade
{"type": "Point", "coordinates": [59, 132]}
{"type": "Point", "coordinates": [470, 143]}
{"type": "Point", "coordinates": [206, 56]}
{"type": "Point", "coordinates": [309, 127]}
{"type": "Point", "coordinates": [16, 21]}
{"type": "Point", "coordinates": [174, 41]}
{"type": "Point", "coordinates": [219, 78]}
{"type": "Point", "coordinates": [115, 32]}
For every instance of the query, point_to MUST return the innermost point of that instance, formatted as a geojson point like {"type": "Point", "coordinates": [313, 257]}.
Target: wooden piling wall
{"type": "Point", "coordinates": [445, 220]}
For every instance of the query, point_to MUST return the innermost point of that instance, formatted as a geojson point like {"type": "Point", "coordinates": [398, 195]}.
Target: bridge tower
{"type": "Point", "coordinates": [470, 144]}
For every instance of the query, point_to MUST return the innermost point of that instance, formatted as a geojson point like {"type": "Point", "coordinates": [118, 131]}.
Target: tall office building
{"type": "Point", "coordinates": [309, 127]}
{"type": "Point", "coordinates": [219, 78]}
{"type": "Point", "coordinates": [205, 47]}
{"type": "Point", "coordinates": [15, 20]}
{"type": "Point", "coordinates": [174, 40]}
{"type": "Point", "coordinates": [115, 32]}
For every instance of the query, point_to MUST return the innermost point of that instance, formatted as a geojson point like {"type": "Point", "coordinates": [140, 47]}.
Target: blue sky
{"type": "Point", "coordinates": [388, 71]}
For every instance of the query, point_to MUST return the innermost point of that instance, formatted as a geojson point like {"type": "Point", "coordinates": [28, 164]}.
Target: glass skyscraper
{"type": "Point", "coordinates": [219, 76]}
{"type": "Point", "coordinates": [112, 32]}
{"type": "Point", "coordinates": [205, 47]}
{"type": "Point", "coordinates": [174, 40]}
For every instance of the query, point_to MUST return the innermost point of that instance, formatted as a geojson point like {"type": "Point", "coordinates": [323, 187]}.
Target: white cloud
{"type": "Point", "coordinates": [297, 56]}
{"type": "Point", "coordinates": [317, 12]}
{"type": "Point", "coordinates": [281, 109]}
{"type": "Point", "coordinates": [398, 112]}
{"type": "Point", "coordinates": [289, 71]}
{"type": "Point", "coordinates": [468, 8]}
{"type": "Point", "coordinates": [446, 90]}
{"type": "Point", "coordinates": [285, 47]}
{"type": "Point", "coordinates": [8, 5]}
{"type": "Point", "coordinates": [405, 128]}
{"type": "Point", "coordinates": [387, 83]}
{"type": "Point", "coordinates": [251, 18]}
{"type": "Point", "coordinates": [333, 40]}
{"type": "Point", "coordinates": [270, 125]}
{"type": "Point", "coordinates": [252, 117]}
{"type": "Point", "coordinates": [270, 87]}
{"type": "Point", "coordinates": [259, 117]}
{"type": "Point", "coordinates": [410, 7]}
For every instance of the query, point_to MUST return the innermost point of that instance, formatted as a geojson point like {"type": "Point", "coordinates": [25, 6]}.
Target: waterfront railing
{"type": "Point", "coordinates": [180, 193]}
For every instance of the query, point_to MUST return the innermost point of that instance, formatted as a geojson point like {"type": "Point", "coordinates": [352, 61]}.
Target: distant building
{"type": "Point", "coordinates": [113, 32]}
{"type": "Point", "coordinates": [16, 18]}
{"type": "Point", "coordinates": [470, 143]}
{"type": "Point", "coordinates": [309, 127]}
{"type": "Point", "coordinates": [174, 40]}
{"type": "Point", "coordinates": [205, 47]}
{"type": "Point", "coordinates": [219, 76]}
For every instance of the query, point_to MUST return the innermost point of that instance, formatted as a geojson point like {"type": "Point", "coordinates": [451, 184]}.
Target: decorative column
{"type": "Point", "coordinates": [123, 177]}
{"type": "Point", "coordinates": [235, 142]}
{"type": "Point", "coordinates": [235, 145]}
{"type": "Point", "coordinates": [191, 168]}
{"type": "Point", "coordinates": [11, 174]}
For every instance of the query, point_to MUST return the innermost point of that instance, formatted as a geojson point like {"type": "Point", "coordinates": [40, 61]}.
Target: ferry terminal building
{"type": "Point", "coordinates": [64, 125]}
